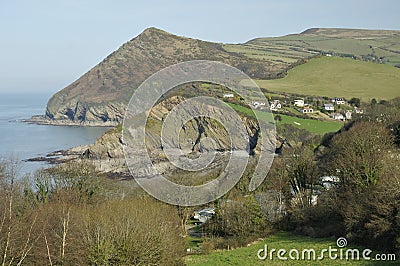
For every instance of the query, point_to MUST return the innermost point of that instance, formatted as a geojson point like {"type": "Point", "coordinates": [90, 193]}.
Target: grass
{"type": "Point", "coordinates": [311, 125]}
{"type": "Point", "coordinates": [339, 77]}
{"type": "Point", "coordinates": [282, 240]}
{"type": "Point", "coordinates": [314, 126]}
{"type": "Point", "coordinates": [349, 42]}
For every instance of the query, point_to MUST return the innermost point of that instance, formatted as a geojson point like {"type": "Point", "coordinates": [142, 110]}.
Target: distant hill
{"type": "Point", "coordinates": [339, 77]}
{"type": "Point", "coordinates": [99, 97]}
{"type": "Point", "coordinates": [382, 46]}
{"type": "Point", "coordinates": [101, 94]}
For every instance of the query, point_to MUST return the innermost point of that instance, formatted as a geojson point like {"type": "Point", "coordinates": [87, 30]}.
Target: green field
{"type": "Point", "coordinates": [312, 125]}
{"type": "Point", "coordinates": [283, 240]}
{"type": "Point", "coordinates": [339, 77]}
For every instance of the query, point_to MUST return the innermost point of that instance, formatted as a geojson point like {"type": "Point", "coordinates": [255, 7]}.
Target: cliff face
{"type": "Point", "coordinates": [100, 95]}
{"type": "Point", "coordinates": [108, 156]}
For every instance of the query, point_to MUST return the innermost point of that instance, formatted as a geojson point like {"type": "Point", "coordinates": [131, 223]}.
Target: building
{"type": "Point", "coordinates": [338, 101]}
{"type": "Point", "coordinates": [329, 181]}
{"type": "Point", "coordinates": [329, 107]}
{"type": "Point", "coordinates": [338, 116]}
{"type": "Point", "coordinates": [228, 95]}
{"type": "Point", "coordinates": [358, 111]}
{"type": "Point", "coordinates": [258, 104]}
{"type": "Point", "coordinates": [299, 103]}
{"type": "Point", "coordinates": [203, 215]}
{"type": "Point", "coordinates": [275, 105]}
{"type": "Point", "coordinates": [348, 115]}
{"type": "Point", "coordinates": [307, 110]}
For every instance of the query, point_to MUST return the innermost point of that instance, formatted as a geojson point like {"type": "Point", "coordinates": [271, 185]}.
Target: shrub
{"type": "Point", "coordinates": [239, 221]}
{"type": "Point", "coordinates": [133, 232]}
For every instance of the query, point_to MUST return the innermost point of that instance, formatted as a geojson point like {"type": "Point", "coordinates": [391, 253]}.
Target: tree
{"type": "Point", "coordinates": [365, 159]}
{"type": "Point", "coordinates": [240, 219]}
{"type": "Point", "coordinates": [355, 102]}
{"type": "Point", "coordinates": [300, 167]}
{"type": "Point", "coordinates": [278, 118]}
{"type": "Point", "coordinates": [278, 181]}
{"type": "Point", "coordinates": [16, 220]}
{"type": "Point", "coordinates": [357, 155]}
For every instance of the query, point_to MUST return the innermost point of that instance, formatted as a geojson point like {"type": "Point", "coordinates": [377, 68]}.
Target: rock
{"type": "Point", "coordinates": [107, 152]}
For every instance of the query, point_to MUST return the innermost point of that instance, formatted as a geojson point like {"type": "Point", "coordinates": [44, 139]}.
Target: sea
{"type": "Point", "coordinates": [20, 141]}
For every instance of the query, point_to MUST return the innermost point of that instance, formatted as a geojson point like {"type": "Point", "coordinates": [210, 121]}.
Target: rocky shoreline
{"type": "Point", "coordinates": [43, 120]}
{"type": "Point", "coordinates": [61, 156]}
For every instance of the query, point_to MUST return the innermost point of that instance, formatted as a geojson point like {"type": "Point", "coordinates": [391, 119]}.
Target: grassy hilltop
{"type": "Point", "coordinates": [370, 45]}
{"type": "Point", "coordinates": [340, 77]}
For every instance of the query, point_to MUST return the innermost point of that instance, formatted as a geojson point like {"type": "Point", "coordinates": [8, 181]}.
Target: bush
{"type": "Point", "coordinates": [239, 221]}
{"type": "Point", "coordinates": [63, 221]}
{"type": "Point", "coordinates": [133, 232]}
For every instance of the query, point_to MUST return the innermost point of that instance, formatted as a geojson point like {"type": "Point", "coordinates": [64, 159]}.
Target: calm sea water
{"type": "Point", "coordinates": [23, 141]}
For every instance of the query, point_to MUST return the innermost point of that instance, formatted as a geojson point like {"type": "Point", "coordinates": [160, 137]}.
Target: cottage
{"type": "Point", "coordinates": [348, 114]}
{"type": "Point", "coordinates": [338, 101]}
{"type": "Point", "coordinates": [329, 107]}
{"type": "Point", "coordinates": [358, 111]}
{"type": "Point", "coordinates": [228, 95]}
{"type": "Point", "coordinates": [299, 103]}
{"type": "Point", "coordinates": [307, 110]}
{"type": "Point", "coordinates": [275, 105]}
{"type": "Point", "coordinates": [203, 215]}
{"type": "Point", "coordinates": [337, 116]}
{"type": "Point", "coordinates": [258, 104]}
{"type": "Point", "coordinates": [329, 181]}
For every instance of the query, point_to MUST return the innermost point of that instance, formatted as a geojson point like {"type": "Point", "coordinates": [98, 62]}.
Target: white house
{"type": "Point", "coordinates": [204, 214]}
{"type": "Point", "coordinates": [358, 111]}
{"type": "Point", "coordinates": [338, 101]}
{"type": "Point", "coordinates": [348, 115]}
{"type": "Point", "coordinates": [337, 116]}
{"type": "Point", "coordinates": [329, 107]}
{"type": "Point", "coordinates": [307, 110]}
{"type": "Point", "coordinates": [228, 95]}
{"type": "Point", "coordinates": [258, 104]}
{"type": "Point", "coordinates": [329, 181]}
{"type": "Point", "coordinates": [275, 105]}
{"type": "Point", "coordinates": [299, 103]}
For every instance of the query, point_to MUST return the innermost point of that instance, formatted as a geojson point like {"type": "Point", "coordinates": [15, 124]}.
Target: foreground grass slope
{"type": "Point", "coordinates": [333, 76]}
{"type": "Point", "coordinates": [287, 241]}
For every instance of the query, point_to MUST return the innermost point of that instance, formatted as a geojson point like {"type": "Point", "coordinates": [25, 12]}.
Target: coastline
{"type": "Point", "coordinates": [43, 120]}
{"type": "Point", "coordinates": [61, 156]}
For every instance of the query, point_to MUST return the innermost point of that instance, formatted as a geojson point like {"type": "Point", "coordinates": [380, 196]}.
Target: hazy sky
{"type": "Point", "coordinates": [45, 45]}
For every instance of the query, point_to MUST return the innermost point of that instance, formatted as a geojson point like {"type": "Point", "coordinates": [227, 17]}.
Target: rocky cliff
{"type": "Point", "coordinates": [108, 156]}
{"type": "Point", "coordinates": [99, 97]}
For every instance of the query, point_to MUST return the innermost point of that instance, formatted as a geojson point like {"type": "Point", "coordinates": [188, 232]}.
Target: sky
{"type": "Point", "coordinates": [46, 45]}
